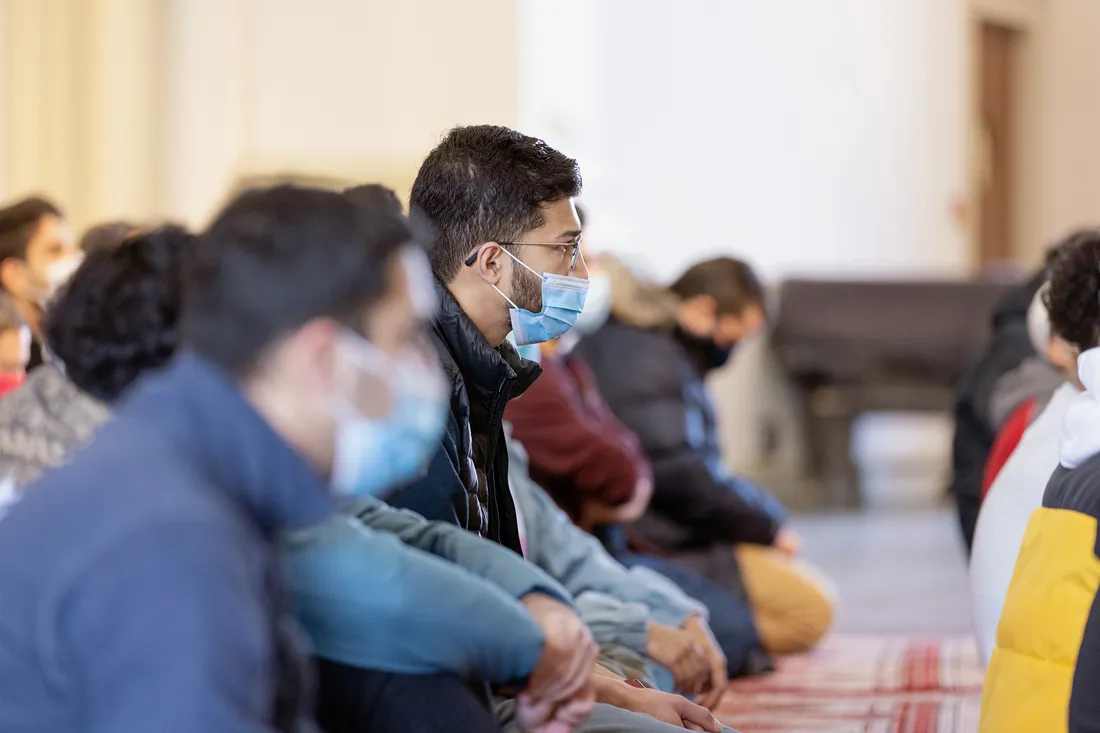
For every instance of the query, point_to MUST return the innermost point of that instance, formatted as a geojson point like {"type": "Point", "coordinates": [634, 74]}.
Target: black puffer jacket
{"type": "Point", "coordinates": [467, 481]}
{"type": "Point", "coordinates": [654, 383]}
{"type": "Point", "coordinates": [974, 431]}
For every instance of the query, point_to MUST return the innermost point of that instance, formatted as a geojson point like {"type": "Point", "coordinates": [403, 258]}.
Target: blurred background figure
{"type": "Point", "coordinates": [37, 255]}
{"type": "Point", "coordinates": [106, 236]}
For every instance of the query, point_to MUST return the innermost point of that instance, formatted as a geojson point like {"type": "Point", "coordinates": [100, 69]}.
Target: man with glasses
{"type": "Point", "coordinates": [506, 260]}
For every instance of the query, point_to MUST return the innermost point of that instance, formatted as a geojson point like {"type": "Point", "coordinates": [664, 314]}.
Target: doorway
{"type": "Point", "coordinates": [998, 89]}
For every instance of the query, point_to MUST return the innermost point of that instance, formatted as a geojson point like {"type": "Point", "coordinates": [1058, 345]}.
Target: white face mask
{"type": "Point", "coordinates": [57, 275]}
{"type": "Point", "coordinates": [597, 306]}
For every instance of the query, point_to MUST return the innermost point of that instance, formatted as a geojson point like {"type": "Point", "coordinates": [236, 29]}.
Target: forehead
{"type": "Point", "coordinates": [559, 217]}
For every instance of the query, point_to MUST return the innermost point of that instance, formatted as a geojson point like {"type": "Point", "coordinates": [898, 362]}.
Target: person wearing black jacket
{"type": "Point", "coordinates": [975, 427]}
{"type": "Point", "coordinates": [650, 360]}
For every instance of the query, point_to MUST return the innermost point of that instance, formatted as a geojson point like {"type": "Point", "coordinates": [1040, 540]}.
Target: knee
{"type": "Point", "coordinates": [801, 621]}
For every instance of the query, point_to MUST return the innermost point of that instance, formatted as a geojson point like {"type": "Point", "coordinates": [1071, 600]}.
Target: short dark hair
{"type": "Point", "coordinates": [19, 222]}
{"type": "Point", "coordinates": [731, 282]}
{"type": "Point", "coordinates": [278, 257]}
{"type": "Point", "coordinates": [105, 236]}
{"type": "Point", "coordinates": [10, 317]}
{"type": "Point", "coordinates": [487, 183]}
{"type": "Point", "coordinates": [1073, 298]}
{"type": "Point", "coordinates": [118, 315]}
{"type": "Point", "coordinates": [375, 196]}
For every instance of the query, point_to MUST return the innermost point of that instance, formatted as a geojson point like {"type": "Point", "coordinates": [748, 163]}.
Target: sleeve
{"type": "Point", "coordinates": [367, 600]}
{"type": "Point", "coordinates": [579, 562]}
{"type": "Point", "coordinates": [564, 440]}
{"type": "Point", "coordinates": [499, 565]}
{"type": "Point", "coordinates": [439, 494]}
{"type": "Point", "coordinates": [169, 635]}
{"type": "Point", "coordinates": [694, 492]}
{"type": "Point", "coordinates": [613, 622]}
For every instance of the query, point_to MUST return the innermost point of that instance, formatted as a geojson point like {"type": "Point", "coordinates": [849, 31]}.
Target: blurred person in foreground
{"type": "Point", "coordinates": [650, 360]}
{"type": "Point", "coordinates": [115, 319]}
{"type": "Point", "coordinates": [138, 580]}
{"type": "Point", "coordinates": [505, 257]}
{"type": "Point", "coordinates": [37, 255]}
{"type": "Point", "coordinates": [1045, 668]}
{"type": "Point", "coordinates": [1017, 490]}
{"type": "Point", "coordinates": [598, 472]}
{"type": "Point", "coordinates": [15, 345]}
{"type": "Point", "coordinates": [364, 597]}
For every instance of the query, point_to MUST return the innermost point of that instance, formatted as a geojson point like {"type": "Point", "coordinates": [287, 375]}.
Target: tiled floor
{"type": "Point", "coordinates": [894, 572]}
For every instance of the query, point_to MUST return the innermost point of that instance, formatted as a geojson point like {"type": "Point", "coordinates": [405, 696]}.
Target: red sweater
{"type": "Point", "coordinates": [578, 449]}
{"type": "Point", "coordinates": [1006, 442]}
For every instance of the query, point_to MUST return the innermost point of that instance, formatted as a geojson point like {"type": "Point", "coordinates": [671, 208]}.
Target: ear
{"type": "Point", "coordinates": [311, 352]}
{"type": "Point", "coordinates": [490, 263]}
{"type": "Point", "coordinates": [11, 276]}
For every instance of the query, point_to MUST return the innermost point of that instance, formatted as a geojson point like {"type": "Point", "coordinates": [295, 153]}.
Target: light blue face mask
{"type": "Point", "coordinates": [375, 456]}
{"type": "Point", "coordinates": [562, 301]}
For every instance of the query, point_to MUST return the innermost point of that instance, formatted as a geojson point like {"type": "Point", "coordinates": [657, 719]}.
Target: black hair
{"type": "Point", "coordinates": [19, 222]}
{"type": "Point", "coordinates": [105, 236]}
{"type": "Point", "coordinates": [731, 282]}
{"type": "Point", "coordinates": [373, 196]}
{"type": "Point", "coordinates": [276, 258]}
{"type": "Point", "coordinates": [10, 317]}
{"type": "Point", "coordinates": [118, 315]}
{"type": "Point", "coordinates": [487, 183]}
{"type": "Point", "coordinates": [1073, 298]}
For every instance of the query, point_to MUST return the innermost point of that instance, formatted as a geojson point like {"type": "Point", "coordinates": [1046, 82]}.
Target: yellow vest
{"type": "Point", "coordinates": [1027, 685]}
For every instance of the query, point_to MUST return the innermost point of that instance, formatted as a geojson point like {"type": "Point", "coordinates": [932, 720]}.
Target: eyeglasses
{"type": "Point", "coordinates": [572, 249]}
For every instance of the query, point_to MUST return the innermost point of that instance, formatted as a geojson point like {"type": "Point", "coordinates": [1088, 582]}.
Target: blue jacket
{"type": "Point", "coordinates": [386, 589]}
{"type": "Point", "coordinates": [137, 583]}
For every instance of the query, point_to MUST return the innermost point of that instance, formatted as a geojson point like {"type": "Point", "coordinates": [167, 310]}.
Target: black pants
{"type": "Point", "coordinates": [353, 700]}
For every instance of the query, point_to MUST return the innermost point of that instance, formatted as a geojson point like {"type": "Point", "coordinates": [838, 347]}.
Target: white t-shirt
{"type": "Point", "coordinates": [1014, 496]}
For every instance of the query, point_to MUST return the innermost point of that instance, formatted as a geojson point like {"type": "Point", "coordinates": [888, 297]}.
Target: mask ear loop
{"type": "Point", "coordinates": [524, 264]}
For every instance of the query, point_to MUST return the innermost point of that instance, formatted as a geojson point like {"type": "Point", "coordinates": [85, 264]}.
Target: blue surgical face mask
{"type": "Point", "coordinates": [562, 301]}
{"type": "Point", "coordinates": [375, 456]}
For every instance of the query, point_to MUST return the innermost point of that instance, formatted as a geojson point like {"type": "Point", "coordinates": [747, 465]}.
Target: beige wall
{"type": "Point", "coordinates": [152, 108]}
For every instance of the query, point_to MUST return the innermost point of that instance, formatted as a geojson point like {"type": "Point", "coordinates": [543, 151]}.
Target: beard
{"type": "Point", "coordinates": [526, 289]}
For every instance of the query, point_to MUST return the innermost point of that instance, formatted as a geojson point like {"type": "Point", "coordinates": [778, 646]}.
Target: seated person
{"type": "Point", "coordinates": [1018, 488]}
{"type": "Point", "coordinates": [117, 320]}
{"type": "Point", "coordinates": [505, 257]}
{"type": "Point", "coordinates": [1045, 667]}
{"type": "Point", "coordinates": [650, 360]}
{"type": "Point", "coordinates": [15, 345]}
{"type": "Point", "coordinates": [37, 256]}
{"type": "Point", "coordinates": [976, 425]}
{"type": "Point", "coordinates": [597, 471]}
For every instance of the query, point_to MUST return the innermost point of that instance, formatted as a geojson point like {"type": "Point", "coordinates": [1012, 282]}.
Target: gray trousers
{"type": "Point", "coordinates": [604, 719]}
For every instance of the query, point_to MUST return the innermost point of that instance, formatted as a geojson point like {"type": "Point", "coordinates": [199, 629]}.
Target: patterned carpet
{"type": "Point", "coordinates": [865, 683]}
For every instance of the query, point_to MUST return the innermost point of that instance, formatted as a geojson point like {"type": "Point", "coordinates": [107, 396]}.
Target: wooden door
{"type": "Point", "coordinates": [996, 97]}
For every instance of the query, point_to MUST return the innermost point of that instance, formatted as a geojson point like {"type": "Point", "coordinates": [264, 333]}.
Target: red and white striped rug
{"type": "Point", "coordinates": [864, 683]}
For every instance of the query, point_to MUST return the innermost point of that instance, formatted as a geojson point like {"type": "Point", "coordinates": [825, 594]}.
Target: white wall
{"type": "Point", "coordinates": [810, 137]}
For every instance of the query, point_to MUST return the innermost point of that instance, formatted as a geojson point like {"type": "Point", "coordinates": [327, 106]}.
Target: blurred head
{"type": "Point", "coordinates": [1073, 295]}
{"type": "Point", "coordinates": [374, 196]}
{"type": "Point", "coordinates": [117, 317]}
{"type": "Point", "coordinates": [15, 337]}
{"type": "Point", "coordinates": [501, 207]}
{"type": "Point", "coordinates": [721, 300]}
{"type": "Point", "coordinates": [106, 236]}
{"type": "Point", "coordinates": [37, 251]}
{"type": "Point", "coordinates": [1056, 350]}
{"type": "Point", "coordinates": [316, 305]}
